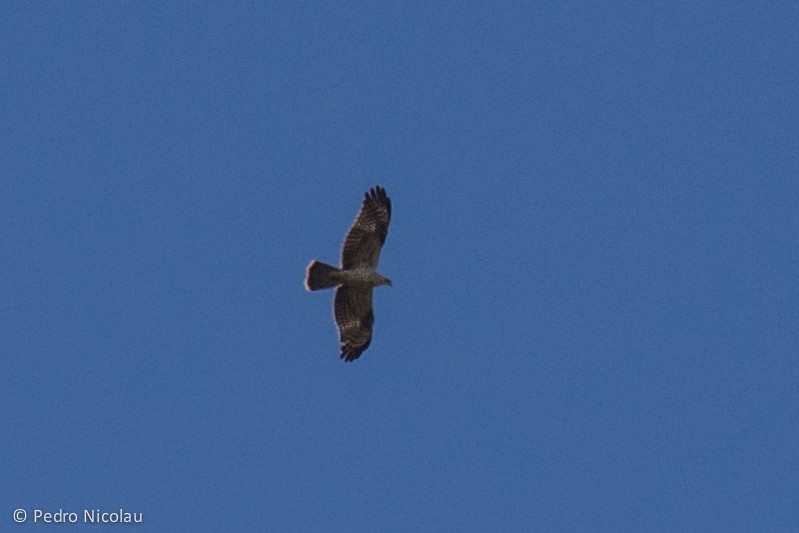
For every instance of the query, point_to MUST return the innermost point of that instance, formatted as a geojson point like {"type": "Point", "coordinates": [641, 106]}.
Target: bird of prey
{"type": "Point", "coordinates": [354, 281]}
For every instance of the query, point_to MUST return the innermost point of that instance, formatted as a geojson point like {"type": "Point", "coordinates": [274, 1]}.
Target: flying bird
{"type": "Point", "coordinates": [357, 276]}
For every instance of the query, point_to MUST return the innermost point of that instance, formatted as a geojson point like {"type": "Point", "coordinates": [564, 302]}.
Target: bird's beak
{"type": "Point", "coordinates": [389, 283]}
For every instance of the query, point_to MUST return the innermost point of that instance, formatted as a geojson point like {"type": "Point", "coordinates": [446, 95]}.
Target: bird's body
{"type": "Point", "coordinates": [323, 276]}
{"type": "Point", "coordinates": [354, 281]}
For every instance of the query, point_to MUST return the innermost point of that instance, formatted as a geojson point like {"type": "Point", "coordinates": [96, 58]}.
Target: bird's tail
{"type": "Point", "coordinates": [320, 275]}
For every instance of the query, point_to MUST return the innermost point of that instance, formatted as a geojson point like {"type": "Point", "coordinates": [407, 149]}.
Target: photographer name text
{"type": "Point", "coordinates": [86, 516]}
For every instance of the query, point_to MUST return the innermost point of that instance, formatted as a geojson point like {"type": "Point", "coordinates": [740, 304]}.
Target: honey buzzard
{"type": "Point", "coordinates": [354, 281]}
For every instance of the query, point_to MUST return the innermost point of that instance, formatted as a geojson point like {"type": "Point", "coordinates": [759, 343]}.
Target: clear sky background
{"type": "Point", "coordinates": [594, 323]}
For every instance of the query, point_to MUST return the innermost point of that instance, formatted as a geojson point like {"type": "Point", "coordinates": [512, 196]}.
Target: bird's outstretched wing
{"type": "Point", "coordinates": [354, 317]}
{"type": "Point", "coordinates": [365, 238]}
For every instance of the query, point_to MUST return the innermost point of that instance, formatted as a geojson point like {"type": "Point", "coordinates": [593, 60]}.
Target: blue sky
{"type": "Point", "coordinates": [594, 322]}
